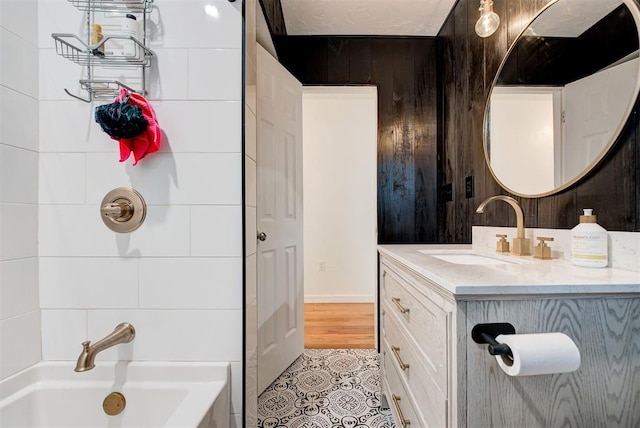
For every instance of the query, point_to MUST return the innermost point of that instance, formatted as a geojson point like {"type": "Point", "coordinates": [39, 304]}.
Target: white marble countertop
{"type": "Point", "coordinates": [520, 275]}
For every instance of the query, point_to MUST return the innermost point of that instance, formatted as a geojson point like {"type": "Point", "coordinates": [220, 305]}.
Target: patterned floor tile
{"type": "Point", "coordinates": [326, 388]}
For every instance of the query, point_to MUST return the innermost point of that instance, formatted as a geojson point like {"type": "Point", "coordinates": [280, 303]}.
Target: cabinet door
{"type": "Point", "coordinates": [603, 392]}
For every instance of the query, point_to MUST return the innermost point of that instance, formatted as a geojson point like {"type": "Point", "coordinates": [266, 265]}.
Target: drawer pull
{"type": "Point", "coordinates": [396, 404]}
{"type": "Point", "coordinates": [396, 300]}
{"type": "Point", "coordinates": [396, 353]}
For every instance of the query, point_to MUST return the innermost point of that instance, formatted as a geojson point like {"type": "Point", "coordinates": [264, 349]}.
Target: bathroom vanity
{"type": "Point", "coordinates": [435, 375]}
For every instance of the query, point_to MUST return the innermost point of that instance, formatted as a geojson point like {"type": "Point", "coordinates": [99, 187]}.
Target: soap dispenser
{"type": "Point", "coordinates": [589, 243]}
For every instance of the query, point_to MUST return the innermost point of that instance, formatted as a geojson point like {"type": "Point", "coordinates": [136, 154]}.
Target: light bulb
{"type": "Point", "coordinates": [212, 11]}
{"type": "Point", "coordinates": [489, 21]}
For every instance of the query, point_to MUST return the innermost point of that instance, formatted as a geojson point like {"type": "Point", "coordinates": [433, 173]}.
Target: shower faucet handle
{"type": "Point", "coordinates": [120, 210]}
{"type": "Point", "coordinates": [123, 210]}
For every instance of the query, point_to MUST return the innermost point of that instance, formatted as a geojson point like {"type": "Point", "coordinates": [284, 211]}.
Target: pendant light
{"type": "Point", "coordinates": [489, 20]}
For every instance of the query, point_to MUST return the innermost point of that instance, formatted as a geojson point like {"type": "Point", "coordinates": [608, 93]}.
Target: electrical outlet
{"type": "Point", "coordinates": [322, 266]}
{"type": "Point", "coordinates": [468, 187]}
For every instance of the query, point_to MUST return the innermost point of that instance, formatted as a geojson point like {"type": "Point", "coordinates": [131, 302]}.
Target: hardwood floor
{"type": "Point", "coordinates": [338, 325]}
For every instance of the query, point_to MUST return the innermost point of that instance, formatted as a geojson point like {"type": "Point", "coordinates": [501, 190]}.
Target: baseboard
{"type": "Point", "coordinates": [339, 298]}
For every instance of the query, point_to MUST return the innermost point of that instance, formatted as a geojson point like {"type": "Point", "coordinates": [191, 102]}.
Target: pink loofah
{"type": "Point", "coordinates": [149, 140]}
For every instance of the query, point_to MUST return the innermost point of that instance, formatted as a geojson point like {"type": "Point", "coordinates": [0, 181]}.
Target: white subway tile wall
{"type": "Point", "coordinates": [18, 230]}
{"type": "Point", "coordinates": [162, 283]}
{"type": "Point", "coordinates": [86, 283]}
{"type": "Point", "coordinates": [215, 74]}
{"type": "Point", "coordinates": [20, 18]}
{"type": "Point", "coordinates": [184, 24]}
{"type": "Point", "coordinates": [192, 119]}
{"type": "Point", "coordinates": [18, 287]}
{"type": "Point", "coordinates": [178, 278]}
{"type": "Point", "coordinates": [218, 231]}
{"type": "Point", "coordinates": [20, 334]}
{"type": "Point", "coordinates": [57, 74]}
{"type": "Point", "coordinates": [55, 16]}
{"type": "Point", "coordinates": [165, 233]}
{"type": "Point", "coordinates": [169, 77]}
{"type": "Point", "coordinates": [20, 73]}
{"type": "Point", "coordinates": [168, 178]}
{"type": "Point", "coordinates": [173, 335]}
{"type": "Point", "coordinates": [60, 332]}
{"type": "Point", "coordinates": [18, 183]}
{"type": "Point", "coordinates": [62, 177]}
{"type": "Point", "coordinates": [58, 118]}
{"type": "Point", "coordinates": [18, 119]}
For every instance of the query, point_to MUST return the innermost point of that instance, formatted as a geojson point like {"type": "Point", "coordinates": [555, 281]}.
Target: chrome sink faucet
{"type": "Point", "coordinates": [521, 245]}
{"type": "Point", "coordinates": [123, 333]}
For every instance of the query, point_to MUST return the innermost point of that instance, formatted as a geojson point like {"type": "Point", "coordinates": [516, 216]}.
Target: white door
{"type": "Point", "coordinates": [279, 180]}
{"type": "Point", "coordinates": [593, 107]}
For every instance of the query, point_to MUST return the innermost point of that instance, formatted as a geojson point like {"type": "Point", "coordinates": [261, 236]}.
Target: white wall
{"type": "Point", "coordinates": [19, 309]}
{"type": "Point", "coordinates": [178, 278]}
{"type": "Point", "coordinates": [339, 169]}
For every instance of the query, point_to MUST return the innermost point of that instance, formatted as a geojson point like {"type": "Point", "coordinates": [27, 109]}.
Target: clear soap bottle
{"type": "Point", "coordinates": [589, 242]}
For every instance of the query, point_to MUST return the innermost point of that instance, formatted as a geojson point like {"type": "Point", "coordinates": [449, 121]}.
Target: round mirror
{"type": "Point", "coordinates": [562, 95]}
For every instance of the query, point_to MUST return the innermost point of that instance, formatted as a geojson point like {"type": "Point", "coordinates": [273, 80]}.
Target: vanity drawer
{"type": "Point", "coordinates": [402, 408]}
{"type": "Point", "coordinates": [421, 372]}
{"type": "Point", "coordinates": [423, 319]}
{"type": "Point", "coordinates": [430, 396]}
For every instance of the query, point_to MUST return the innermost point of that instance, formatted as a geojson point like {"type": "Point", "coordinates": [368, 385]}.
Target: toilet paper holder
{"type": "Point", "coordinates": [487, 333]}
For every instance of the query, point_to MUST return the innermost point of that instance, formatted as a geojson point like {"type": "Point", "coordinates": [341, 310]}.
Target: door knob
{"type": "Point", "coordinates": [262, 236]}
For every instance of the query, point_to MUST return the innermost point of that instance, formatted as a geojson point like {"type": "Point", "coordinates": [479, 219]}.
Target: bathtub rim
{"type": "Point", "coordinates": [206, 382]}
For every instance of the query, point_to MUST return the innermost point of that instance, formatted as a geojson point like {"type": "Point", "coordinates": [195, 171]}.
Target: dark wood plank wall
{"type": "Point", "coordinates": [272, 10]}
{"type": "Point", "coordinates": [467, 66]}
{"type": "Point", "coordinates": [549, 61]}
{"type": "Point", "coordinates": [404, 71]}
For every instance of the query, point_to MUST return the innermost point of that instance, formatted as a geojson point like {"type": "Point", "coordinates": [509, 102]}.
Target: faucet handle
{"type": "Point", "coordinates": [85, 345]}
{"type": "Point", "coordinates": [502, 246]}
{"type": "Point", "coordinates": [542, 250]}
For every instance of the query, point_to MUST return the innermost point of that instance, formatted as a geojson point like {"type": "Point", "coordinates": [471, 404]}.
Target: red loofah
{"type": "Point", "coordinates": [149, 140]}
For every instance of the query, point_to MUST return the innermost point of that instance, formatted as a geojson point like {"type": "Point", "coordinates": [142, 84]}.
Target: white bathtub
{"type": "Point", "coordinates": [51, 394]}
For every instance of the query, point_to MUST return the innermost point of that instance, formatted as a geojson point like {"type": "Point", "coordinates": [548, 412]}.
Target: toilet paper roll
{"type": "Point", "coordinates": [540, 353]}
